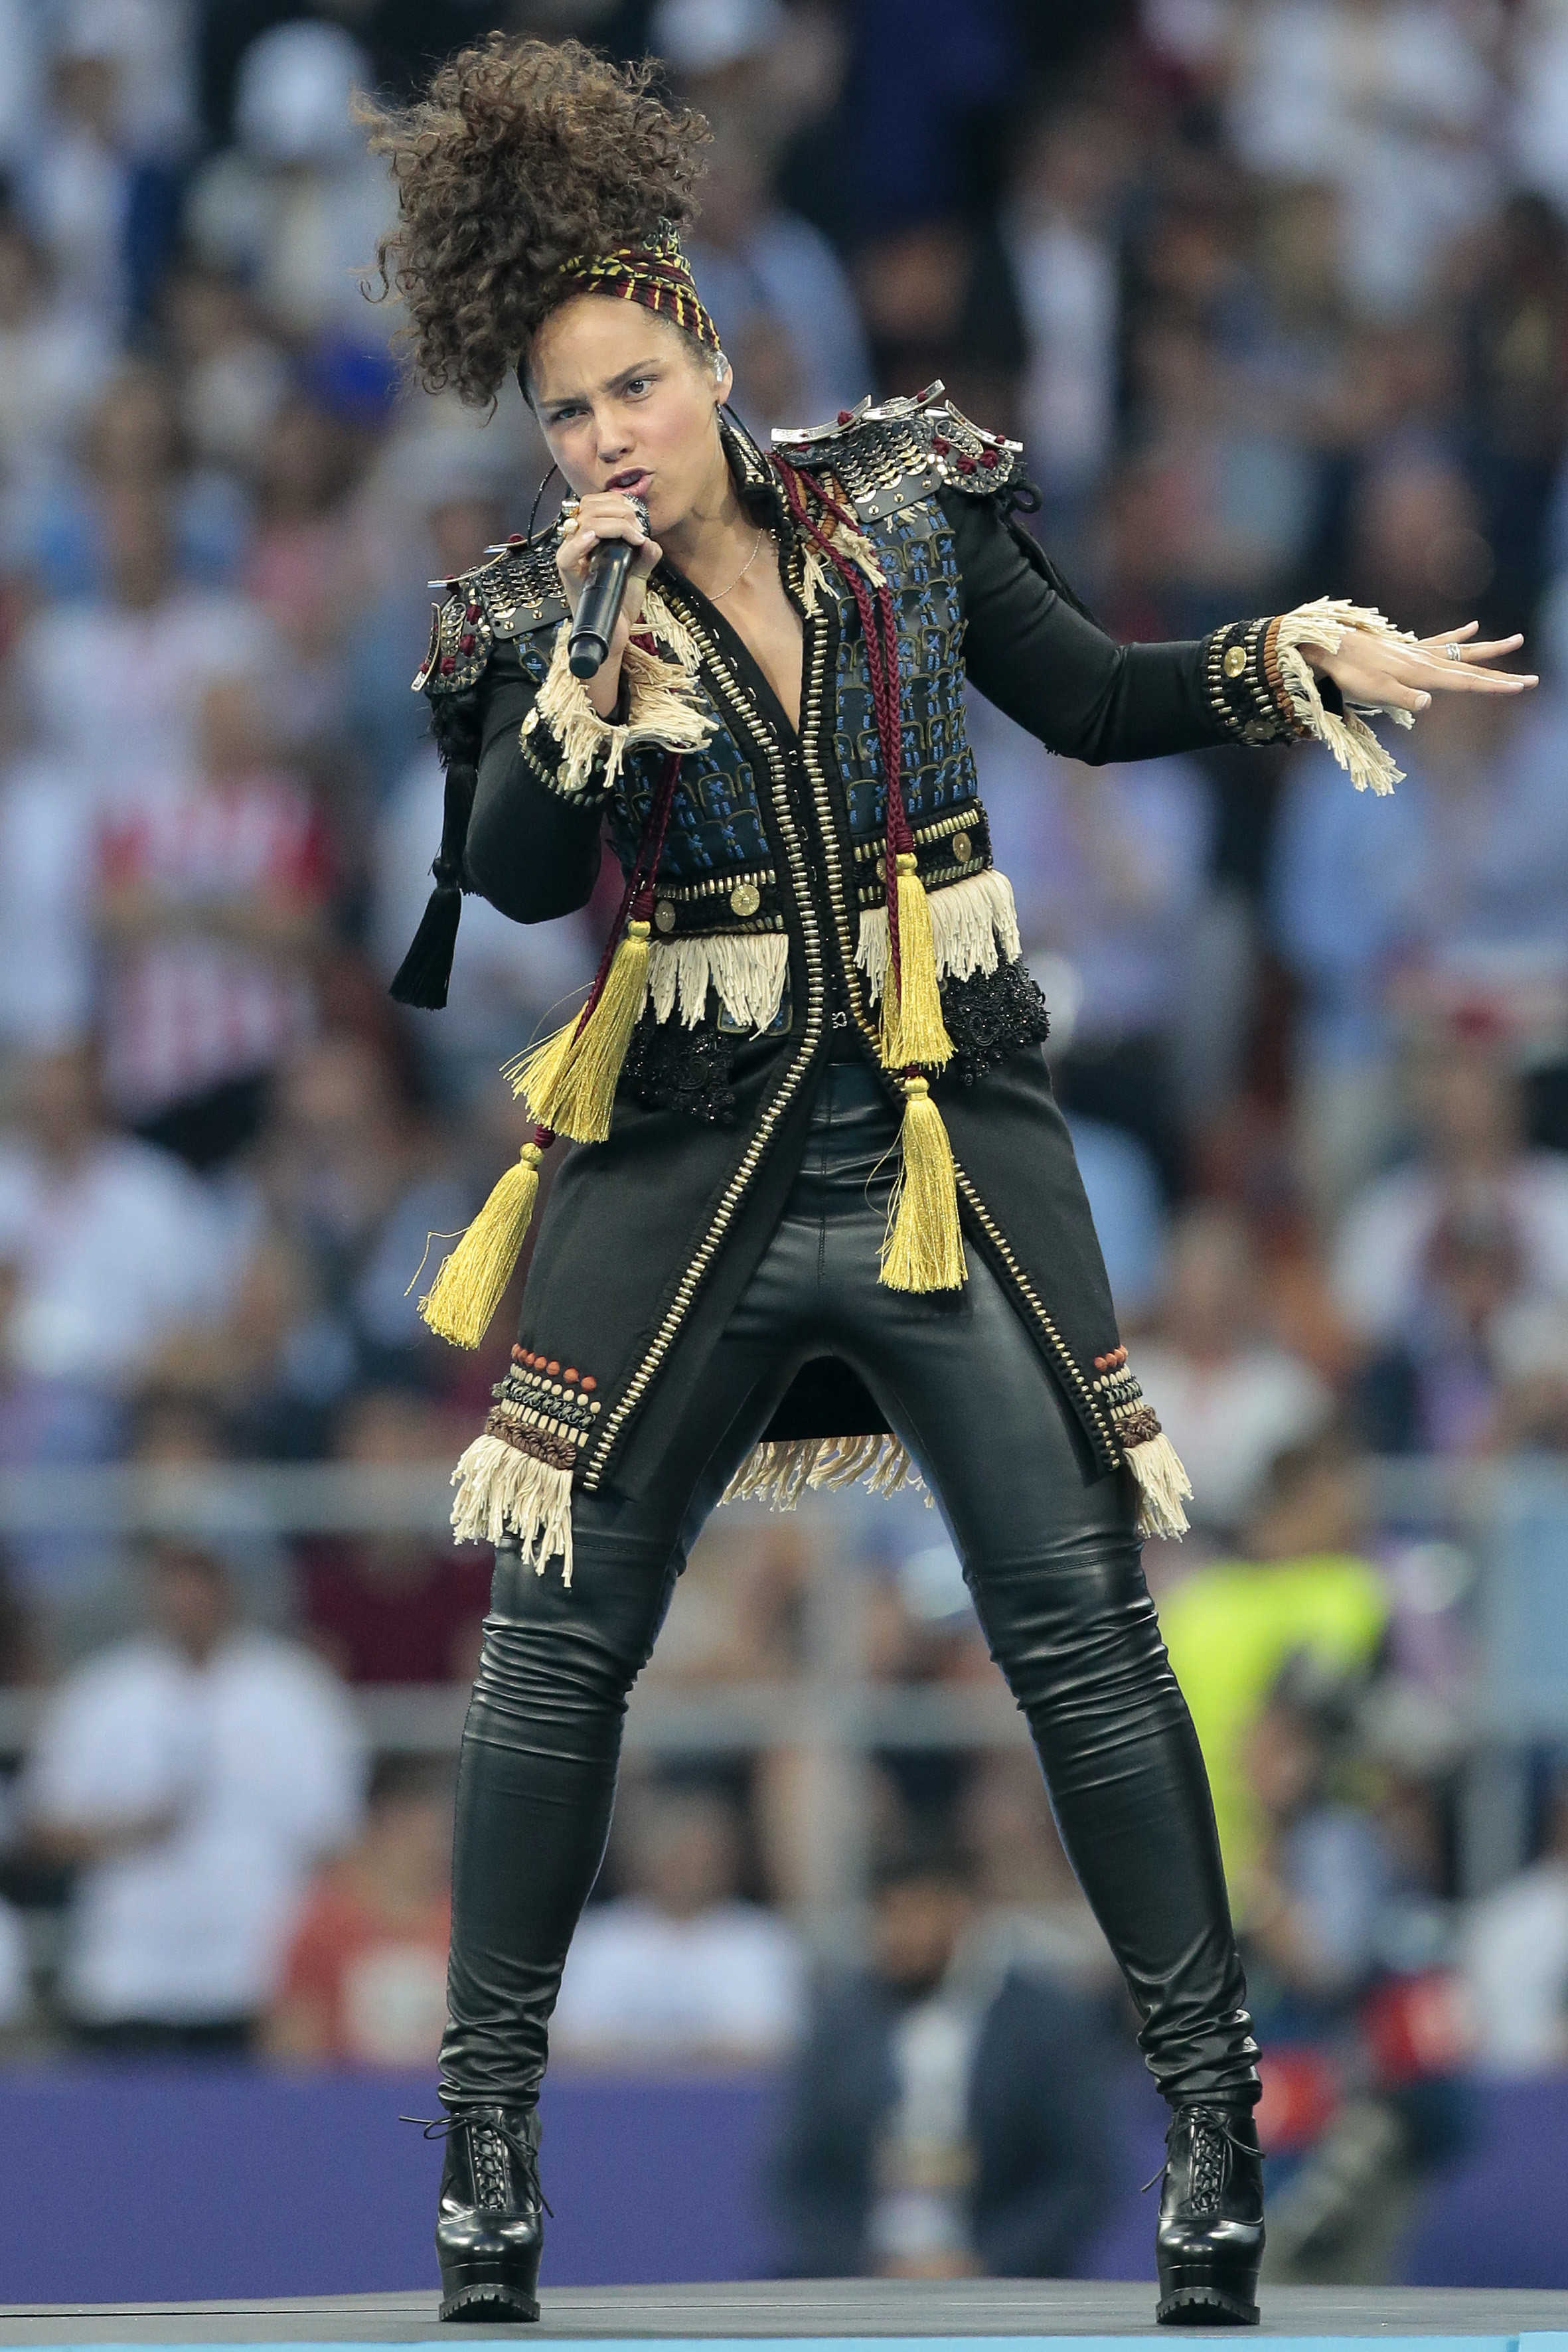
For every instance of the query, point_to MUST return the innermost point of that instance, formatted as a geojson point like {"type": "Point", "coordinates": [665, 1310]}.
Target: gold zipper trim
{"type": "Point", "coordinates": [715, 885]}
{"type": "Point", "coordinates": [631, 1396]}
{"type": "Point", "coordinates": [960, 821]}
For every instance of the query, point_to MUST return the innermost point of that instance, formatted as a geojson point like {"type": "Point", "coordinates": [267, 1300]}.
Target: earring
{"type": "Point", "coordinates": [539, 493]}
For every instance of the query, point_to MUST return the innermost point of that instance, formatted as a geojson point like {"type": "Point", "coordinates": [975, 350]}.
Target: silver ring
{"type": "Point", "coordinates": [1453, 652]}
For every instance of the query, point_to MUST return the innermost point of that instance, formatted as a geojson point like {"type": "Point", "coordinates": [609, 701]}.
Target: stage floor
{"type": "Point", "coordinates": [1008, 2312]}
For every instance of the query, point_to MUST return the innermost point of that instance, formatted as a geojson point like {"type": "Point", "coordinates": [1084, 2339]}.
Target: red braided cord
{"type": "Point", "coordinates": [637, 898]}
{"type": "Point", "coordinates": [879, 626]}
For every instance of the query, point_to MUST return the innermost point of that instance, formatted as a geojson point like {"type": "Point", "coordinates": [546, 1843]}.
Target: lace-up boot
{"type": "Point", "coordinates": [1210, 2239]}
{"type": "Point", "coordinates": [489, 2228]}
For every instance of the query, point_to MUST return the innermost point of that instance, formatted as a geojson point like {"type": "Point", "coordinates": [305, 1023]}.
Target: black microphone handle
{"type": "Point", "coordinates": [599, 607]}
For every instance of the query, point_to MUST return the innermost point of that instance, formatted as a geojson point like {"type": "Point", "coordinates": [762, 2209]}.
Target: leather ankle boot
{"type": "Point", "coordinates": [489, 2228]}
{"type": "Point", "coordinates": [1209, 2243]}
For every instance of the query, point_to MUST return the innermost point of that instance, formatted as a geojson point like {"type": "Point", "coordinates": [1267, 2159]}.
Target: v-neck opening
{"type": "Point", "coordinates": [740, 656]}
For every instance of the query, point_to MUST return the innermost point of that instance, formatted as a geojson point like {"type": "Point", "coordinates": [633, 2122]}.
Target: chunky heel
{"type": "Point", "coordinates": [1209, 2245]}
{"type": "Point", "coordinates": [489, 2228]}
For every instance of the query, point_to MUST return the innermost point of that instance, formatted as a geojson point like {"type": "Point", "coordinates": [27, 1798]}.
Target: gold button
{"type": "Point", "coordinates": [962, 848]}
{"type": "Point", "coordinates": [664, 915]}
{"type": "Point", "coordinates": [1235, 661]}
{"type": "Point", "coordinates": [745, 899]}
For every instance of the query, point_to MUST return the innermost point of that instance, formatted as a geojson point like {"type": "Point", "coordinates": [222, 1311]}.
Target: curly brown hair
{"type": "Point", "coordinates": [520, 155]}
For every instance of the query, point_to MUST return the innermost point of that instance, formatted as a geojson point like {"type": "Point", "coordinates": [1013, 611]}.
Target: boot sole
{"type": "Point", "coordinates": [1205, 2306]}
{"type": "Point", "coordinates": [489, 2302]}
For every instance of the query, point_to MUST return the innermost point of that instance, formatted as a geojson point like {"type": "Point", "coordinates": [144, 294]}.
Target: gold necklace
{"type": "Point", "coordinates": [745, 567]}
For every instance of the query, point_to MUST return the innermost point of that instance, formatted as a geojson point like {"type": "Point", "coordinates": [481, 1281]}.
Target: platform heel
{"type": "Point", "coordinates": [1209, 2243]}
{"type": "Point", "coordinates": [490, 2225]}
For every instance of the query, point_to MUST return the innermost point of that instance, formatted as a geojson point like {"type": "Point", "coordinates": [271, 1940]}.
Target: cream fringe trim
{"type": "Point", "coordinates": [778, 1472]}
{"type": "Point", "coordinates": [502, 1492]}
{"type": "Point", "coordinates": [852, 543]}
{"type": "Point", "coordinates": [661, 702]}
{"type": "Point", "coordinates": [1163, 1486]}
{"type": "Point", "coordinates": [1350, 739]}
{"type": "Point", "coordinates": [973, 926]}
{"type": "Point", "coordinates": [747, 968]}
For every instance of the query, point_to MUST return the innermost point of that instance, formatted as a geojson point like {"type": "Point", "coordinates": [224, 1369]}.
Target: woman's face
{"type": "Point", "coordinates": [627, 403]}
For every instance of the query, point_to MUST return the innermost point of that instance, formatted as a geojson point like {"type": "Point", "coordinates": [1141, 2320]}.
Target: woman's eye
{"type": "Point", "coordinates": [640, 383]}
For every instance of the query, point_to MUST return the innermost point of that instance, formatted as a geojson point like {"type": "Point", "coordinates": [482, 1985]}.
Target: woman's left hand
{"type": "Point", "coordinates": [1382, 670]}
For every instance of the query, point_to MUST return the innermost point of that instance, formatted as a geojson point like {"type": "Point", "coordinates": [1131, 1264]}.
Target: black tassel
{"type": "Point", "coordinates": [425, 974]}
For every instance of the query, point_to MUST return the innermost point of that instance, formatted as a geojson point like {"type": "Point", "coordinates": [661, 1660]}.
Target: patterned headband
{"type": "Point", "coordinates": [656, 273]}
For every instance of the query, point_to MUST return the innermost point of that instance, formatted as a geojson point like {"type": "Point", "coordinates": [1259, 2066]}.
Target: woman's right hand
{"type": "Point", "coordinates": [604, 515]}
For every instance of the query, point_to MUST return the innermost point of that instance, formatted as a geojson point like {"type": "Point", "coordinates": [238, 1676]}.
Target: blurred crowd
{"type": "Point", "coordinates": [1275, 292]}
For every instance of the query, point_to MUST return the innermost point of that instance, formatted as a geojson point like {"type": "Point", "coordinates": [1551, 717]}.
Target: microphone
{"type": "Point", "coordinates": [599, 607]}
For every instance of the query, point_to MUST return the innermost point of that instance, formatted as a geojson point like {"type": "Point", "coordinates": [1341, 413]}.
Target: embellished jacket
{"type": "Point", "coordinates": [769, 946]}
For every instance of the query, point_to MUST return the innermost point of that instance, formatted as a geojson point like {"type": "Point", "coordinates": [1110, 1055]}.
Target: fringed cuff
{"type": "Point", "coordinates": [1158, 1473]}
{"type": "Point", "coordinates": [1242, 680]}
{"type": "Point", "coordinates": [1344, 734]}
{"type": "Point", "coordinates": [514, 1481]}
{"type": "Point", "coordinates": [577, 753]}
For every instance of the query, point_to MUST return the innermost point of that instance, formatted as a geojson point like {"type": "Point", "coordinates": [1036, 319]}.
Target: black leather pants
{"type": "Point", "coordinates": [1048, 1551]}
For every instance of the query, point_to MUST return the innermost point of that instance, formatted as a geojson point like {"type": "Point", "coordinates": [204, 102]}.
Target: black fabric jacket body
{"type": "Point", "coordinates": [646, 1240]}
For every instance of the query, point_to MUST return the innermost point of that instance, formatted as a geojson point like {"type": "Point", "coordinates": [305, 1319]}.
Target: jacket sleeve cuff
{"type": "Point", "coordinates": [1246, 692]}
{"type": "Point", "coordinates": [577, 754]}
{"type": "Point", "coordinates": [1319, 708]}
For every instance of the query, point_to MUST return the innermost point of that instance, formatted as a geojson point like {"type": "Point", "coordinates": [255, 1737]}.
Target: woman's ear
{"type": "Point", "coordinates": [723, 378]}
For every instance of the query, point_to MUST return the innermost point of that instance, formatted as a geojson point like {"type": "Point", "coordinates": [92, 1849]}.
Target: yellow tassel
{"type": "Point", "coordinates": [922, 1249]}
{"type": "Point", "coordinates": [472, 1282]}
{"type": "Point", "coordinates": [570, 1080]}
{"type": "Point", "coordinates": [912, 1027]}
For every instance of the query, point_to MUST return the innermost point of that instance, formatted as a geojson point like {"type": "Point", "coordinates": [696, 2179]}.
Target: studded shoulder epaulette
{"type": "Point", "coordinates": [518, 591]}
{"type": "Point", "coordinates": [886, 456]}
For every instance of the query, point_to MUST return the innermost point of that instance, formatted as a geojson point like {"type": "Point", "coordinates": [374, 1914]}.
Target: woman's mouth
{"type": "Point", "coordinates": [635, 479]}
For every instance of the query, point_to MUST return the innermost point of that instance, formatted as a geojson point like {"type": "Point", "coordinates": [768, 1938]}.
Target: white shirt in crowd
{"type": "Point", "coordinates": [48, 813]}
{"type": "Point", "coordinates": [1228, 1421]}
{"type": "Point", "coordinates": [258, 1756]}
{"type": "Point", "coordinates": [110, 1259]}
{"type": "Point", "coordinates": [136, 677]}
{"type": "Point", "coordinates": [640, 1983]}
{"type": "Point", "coordinates": [1514, 1959]}
{"type": "Point", "coordinates": [1380, 1255]}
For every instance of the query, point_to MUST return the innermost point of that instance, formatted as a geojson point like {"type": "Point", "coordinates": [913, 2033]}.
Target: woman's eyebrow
{"type": "Point", "coordinates": [610, 383]}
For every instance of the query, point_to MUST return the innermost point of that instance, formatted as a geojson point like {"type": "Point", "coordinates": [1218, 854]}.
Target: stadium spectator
{"type": "Point", "coordinates": [1449, 900]}
{"type": "Point", "coordinates": [1513, 1953]}
{"type": "Point", "coordinates": [681, 1969]}
{"type": "Point", "coordinates": [296, 204]}
{"type": "Point", "coordinates": [141, 653]}
{"type": "Point", "coordinates": [1300, 1587]}
{"type": "Point", "coordinates": [1433, 1259]}
{"type": "Point", "coordinates": [53, 361]}
{"type": "Point", "coordinates": [796, 337]}
{"type": "Point", "coordinates": [108, 1248]}
{"type": "Point", "coordinates": [393, 1608]}
{"type": "Point", "coordinates": [365, 1980]}
{"type": "Point", "coordinates": [351, 1185]}
{"type": "Point", "coordinates": [1230, 1396]}
{"type": "Point", "coordinates": [211, 902]}
{"type": "Point", "coordinates": [191, 1777]}
{"type": "Point", "coordinates": [942, 2118]}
